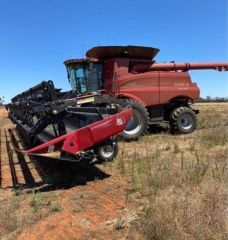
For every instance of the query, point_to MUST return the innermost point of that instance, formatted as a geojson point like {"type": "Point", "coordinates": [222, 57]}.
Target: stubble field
{"type": "Point", "coordinates": [161, 187]}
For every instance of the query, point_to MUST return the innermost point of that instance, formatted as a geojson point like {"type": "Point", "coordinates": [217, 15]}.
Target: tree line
{"type": "Point", "coordinates": [207, 99]}
{"type": "Point", "coordinates": [212, 99]}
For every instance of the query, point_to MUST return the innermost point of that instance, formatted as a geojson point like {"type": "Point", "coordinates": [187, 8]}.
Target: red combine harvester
{"type": "Point", "coordinates": [86, 121]}
{"type": "Point", "coordinates": [128, 75]}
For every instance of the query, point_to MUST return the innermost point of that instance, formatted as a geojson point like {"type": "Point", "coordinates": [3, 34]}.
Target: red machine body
{"type": "Point", "coordinates": [148, 86]}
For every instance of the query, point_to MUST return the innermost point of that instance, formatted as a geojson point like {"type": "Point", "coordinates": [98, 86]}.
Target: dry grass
{"type": "Point", "coordinates": [180, 182]}
{"type": "Point", "coordinates": [186, 213]}
{"type": "Point", "coordinates": [20, 210]}
{"type": "Point", "coordinates": [184, 179]}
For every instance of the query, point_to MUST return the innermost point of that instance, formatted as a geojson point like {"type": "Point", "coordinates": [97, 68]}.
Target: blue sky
{"type": "Point", "coordinates": [36, 36]}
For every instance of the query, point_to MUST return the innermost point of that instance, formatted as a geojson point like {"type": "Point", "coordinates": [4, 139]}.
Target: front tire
{"type": "Point", "coordinates": [183, 120]}
{"type": "Point", "coordinates": [138, 124]}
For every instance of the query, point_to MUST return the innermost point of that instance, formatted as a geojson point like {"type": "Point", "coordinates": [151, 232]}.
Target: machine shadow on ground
{"type": "Point", "coordinates": [30, 174]}
{"type": "Point", "coordinates": [158, 129]}
{"type": "Point", "coordinates": [60, 174]}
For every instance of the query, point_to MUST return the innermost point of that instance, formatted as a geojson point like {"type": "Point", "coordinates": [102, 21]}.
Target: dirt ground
{"type": "Point", "coordinates": [3, 112]}
{"type": "Point", "coordinates": [94, 206]}
{"type": "Point", "coordinates": [87, 212]}
{"type": "Point", "coordinates": [4, 121]}
{"type": "Point", "coordinates": [160, 187]}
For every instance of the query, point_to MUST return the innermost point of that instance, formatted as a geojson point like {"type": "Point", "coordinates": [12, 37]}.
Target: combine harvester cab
{"type": "Point", "coordinates": [56, 126]}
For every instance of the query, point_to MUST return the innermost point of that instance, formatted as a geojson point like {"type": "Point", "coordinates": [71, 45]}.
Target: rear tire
{"type": "Point", "coordinates": [183, 120]}
{"type": "Point", "coordinates": [138, 124]}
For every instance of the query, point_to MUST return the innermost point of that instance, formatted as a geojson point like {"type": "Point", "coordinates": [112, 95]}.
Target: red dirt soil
{"type": "Point", "coordinates": [87, 213]}
{"type": "Point", "coordinates": [90, 211]}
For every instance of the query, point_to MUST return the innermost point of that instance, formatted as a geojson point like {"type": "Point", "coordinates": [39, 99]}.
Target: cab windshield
{"type": "Point", "coordinates": [85, 76]}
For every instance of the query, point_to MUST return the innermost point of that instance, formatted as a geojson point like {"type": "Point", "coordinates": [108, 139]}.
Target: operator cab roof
{"type": "Point", "coordinates": [104, 52]}
{"type": "Point", "coordinates": [79, 60]}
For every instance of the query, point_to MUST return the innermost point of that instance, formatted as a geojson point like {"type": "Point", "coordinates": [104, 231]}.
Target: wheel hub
{"type": "Point", "coordinates": [107, 151]}
{"type": "Point", "coordinates": [186, 121]}
{"type": "Point", "coordinates": [134, 124]}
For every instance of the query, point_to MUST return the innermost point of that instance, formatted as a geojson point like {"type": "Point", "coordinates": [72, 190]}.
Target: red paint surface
{"type": "Point", "coordinates": [88, 136]}
{"type": "Point", "coordinates": [131, 72]}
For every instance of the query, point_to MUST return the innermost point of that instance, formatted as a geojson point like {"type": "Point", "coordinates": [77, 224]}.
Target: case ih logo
{"type": "Point", "coordinates": [119, 121]}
